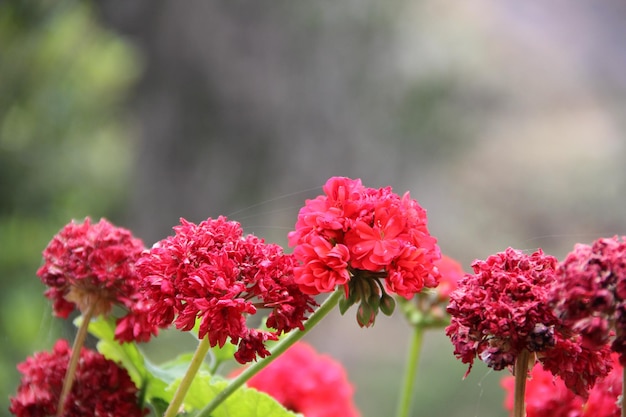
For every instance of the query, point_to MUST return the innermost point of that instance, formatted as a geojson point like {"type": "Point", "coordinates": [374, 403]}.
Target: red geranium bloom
{"type": "Point", "coordinates": [212, 272]}
{"type": "Point", "coordinates": [502, 309]}
{"type": "Point", "coordinates": [357, 236]}
{"type": "Point", "coordinates": [101, 387]}
{"type": "Point", "coordinates": [306, 382]}
{"type": "Point", "coordinates": [547, 396]}
{"type": "Point", "coordinates": [591, 293]}
{"type": "Point", "coordinates": [93, 265]}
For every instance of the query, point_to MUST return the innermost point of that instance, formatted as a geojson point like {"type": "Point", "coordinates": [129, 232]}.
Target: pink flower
{"type": "Point", "coordinates": [306, 382]}
{"type": "Point", "coordinates": [590, 294]}
{"type": "Point", "coordinates": [101, 387]}
{"type": "Point", "coordinates": [502, 309]}
{"type": "Point", "coordinates": [93, 265]}
{"type": "Point", "coordinates": [211, 272]}
{"type": "Point", "coordinates": [547, 396]}
{"type": "Point", "coordinates": [367, 240]}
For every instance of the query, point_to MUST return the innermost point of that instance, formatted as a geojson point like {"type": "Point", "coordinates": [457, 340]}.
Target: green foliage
{"type": "Point", "coordinates": [159, 382]}
{"type": "Point", "coordinates": [64, 151]}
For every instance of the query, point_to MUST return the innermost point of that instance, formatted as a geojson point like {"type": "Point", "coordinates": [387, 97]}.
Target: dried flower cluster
{"type": "Point", "coordinates": [211, 272]}
{"type": "Point", "coordinates": [93, 266]}
{"type": "Point", "coordinates": [590, 295]}
{"type": "Point", "coordinates": [101, 389]}
{"type": "Point", "coordinates": [354, 236]}
{"type": "Point", "coordinates": [503, 309]}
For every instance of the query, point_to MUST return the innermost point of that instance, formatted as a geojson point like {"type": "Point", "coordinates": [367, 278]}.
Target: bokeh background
{"type": "Point", "coordinates": [504, 119]}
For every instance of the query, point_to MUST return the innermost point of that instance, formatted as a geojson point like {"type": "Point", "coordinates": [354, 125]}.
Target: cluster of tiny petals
{"type": "Point", "coordinates": [307, 382]}
{"type": "Point", "coordinates": [212, 272]}
{"type": "Point", "coordinates": [93, 265]}
{"type": "Point", "coordinates": [590, 294]}
{"type": "Point", "coordinates": [502, 309]}
{"type": "Point", "coordinates": [101, 388]}
{"type": "Point", "coordinates": [354, 228]}
{"type": "Point", "coordinates": [548, 396]}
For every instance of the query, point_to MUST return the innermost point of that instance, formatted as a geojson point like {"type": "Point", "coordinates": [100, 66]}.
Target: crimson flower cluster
{"type": "Point", "coordinates": [590, 294]}
{"type": "Point", "coordinates": [92, 266]}
{"type": "Point", "coordinates": [503, 309]}
{"type": "Point", "coordinates": [354, 236]}
{"type": "Point", "coordinates": [547, 396]}
{"type": "Point", "coordinates": [101, 388]}
{"type": "Point", "coordinates": [212, 272]}
{"type": "Point", "coordinates": [307, 382]}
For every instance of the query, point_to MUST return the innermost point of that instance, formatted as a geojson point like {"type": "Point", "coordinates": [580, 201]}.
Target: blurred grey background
{"type": "Point", "coordinates": [504, 119]}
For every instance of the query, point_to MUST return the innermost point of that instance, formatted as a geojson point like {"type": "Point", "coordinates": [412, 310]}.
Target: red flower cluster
{"type": "Point", "coordinates": [502, 309]}
{"type": "Point", "coordinates": [354, 236]}
{"type": "Point", "coordinates": [591, 293]}
{"type": "Point", "coordinates": [93, 266]}
{"type": "Point", "coordinates": [547, 396]}
{"type": "Point", "coordinates": [306, 382]}
{"type": "Point", "coordinates": [101, 388]}
{"type": "Point", "coordinates": [212, 272]}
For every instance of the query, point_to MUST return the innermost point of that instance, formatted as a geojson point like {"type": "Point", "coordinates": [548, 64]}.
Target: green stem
{"type": "Point", "coordinates": [70, 374]}
{"type": "Point", "coordinates": [404, 405]}
{"type": "Point", "coordinates": [181, 391]}
{"type": "Point", "coordinates": [521, 375]}
{"type": "Point", "coordinates": [275, 351]}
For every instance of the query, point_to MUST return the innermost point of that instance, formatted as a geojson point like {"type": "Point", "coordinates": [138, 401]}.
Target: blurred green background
{"type": "Point", "coordinates": [503, 119]}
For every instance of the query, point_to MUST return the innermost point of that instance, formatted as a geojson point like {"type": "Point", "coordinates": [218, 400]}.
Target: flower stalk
{"type": "Point", "coordinates": [275, 351]}
{"type": "Point", "coordinates": [521, 375]}
{"type": "Point", "coordinates": [79, 341]}
{"type": "Point", "coordinates": [412, 362]}
{"type": "Point", "coordinates": [185, 383]}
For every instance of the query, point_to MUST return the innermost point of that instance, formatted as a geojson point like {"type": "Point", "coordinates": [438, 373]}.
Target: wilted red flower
{"type": "Point", "coordinates": [547, 395]}
{"type": "Point", "coordinates": [101, 387]}
{"type": "Point", "coordinates": [590, 294]}
{"type": "Point", "coordinates": [502, 309]}
{"type": "Point", "coordinates": [93, 265]}
{"type": "Point", "coordinates": [356, 236]}
{"type": "Point", "coordinates": [214, 273]}
{"type": "Point", "coordinates": [307, 382]}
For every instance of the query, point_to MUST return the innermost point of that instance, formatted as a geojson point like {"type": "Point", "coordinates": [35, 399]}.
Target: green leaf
{"type": "Point", "coordinates": [245, 402]}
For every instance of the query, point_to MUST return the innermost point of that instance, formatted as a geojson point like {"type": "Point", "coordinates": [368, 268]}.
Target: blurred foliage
{"type": "Point", "coordinates": [65, 152]}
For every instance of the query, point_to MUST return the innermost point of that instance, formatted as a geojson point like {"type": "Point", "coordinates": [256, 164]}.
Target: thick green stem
{"type": "Point", "coordinates": [185, 383]}
{"type": "Point", "coordinates": [275, 351]}
{"type": "Point", "coordinates": [521, 375]}
{"type": "Point", "coordinates": [413, 357]}
{"type": "Point", "coordinates": [70, 374]}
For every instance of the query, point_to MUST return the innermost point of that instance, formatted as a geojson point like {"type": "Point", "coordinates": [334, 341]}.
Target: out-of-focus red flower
{"type": "Point", "coordinates": [212, 272]}
{"type": "Point", "coordinates": [307, 382]}
{"type": "Point", "coordinates": [101, 387]}
{"type": "Point", "coordinates": [451, 273]}
{"type": "Point", "coordinates": [547, 395]}
{"type": "Point", "coordinates": [93, 265]}
{"type": "Point", "coordinates": [354, 236]}
{"type": "Point", "coordinates": [590, 294]}
{"type": "Point", "coordinates": [502, 309]}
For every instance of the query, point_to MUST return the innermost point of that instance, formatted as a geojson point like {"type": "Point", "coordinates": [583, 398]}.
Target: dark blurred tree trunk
{"type": "Point", "coordinates": [241, 101]}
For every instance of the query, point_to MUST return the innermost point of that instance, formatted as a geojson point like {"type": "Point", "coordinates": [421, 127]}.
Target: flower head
{"type": "Point", "coordinates": [307, 382]}
{"type": "Point", "coordinates": [547, 396]}
{"type": "Point", "coordinates": [101, 388]}
{"type": "Point", "coordinates": [502, 309]}
{"type": "Point", "coordinates": [590, 294]}
{"type": "Point", "coordinates": [354, 236]}
{"type": "Point", "coordinates": [212, 272]}
{"type": "Point", "coordinates": [93, 266]}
